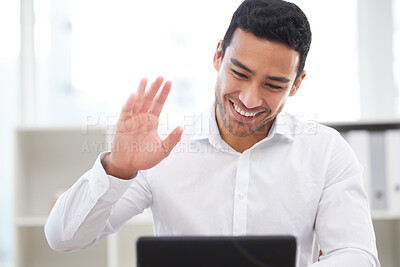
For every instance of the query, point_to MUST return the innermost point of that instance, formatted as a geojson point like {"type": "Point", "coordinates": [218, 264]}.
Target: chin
{"type": "Point", "coordinates": [242, 130]}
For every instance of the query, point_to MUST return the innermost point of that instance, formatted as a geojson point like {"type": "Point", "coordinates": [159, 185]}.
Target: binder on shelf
{"type": "Point", "coordinates": [392, 149]}
{"type": "Point", "coordinates": [369, 147]}
{"type": "Point", "coordinates": [359, 141]}
{"type": "Point", "coordinates": [378, 170]}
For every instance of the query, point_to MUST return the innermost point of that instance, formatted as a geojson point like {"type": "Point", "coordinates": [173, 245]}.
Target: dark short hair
{"type": "Point", "coordinates": [275, 20]}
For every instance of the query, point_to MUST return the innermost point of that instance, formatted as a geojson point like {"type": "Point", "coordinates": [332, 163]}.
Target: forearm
{"type": "Point", "coordinates": [343, 224]}
{"type": "Point", "coordinates": [71, 226]}
{"type": "Point", "coordinates": [347, 258]}
{"type": "Point", "coordinates": [81, 216]}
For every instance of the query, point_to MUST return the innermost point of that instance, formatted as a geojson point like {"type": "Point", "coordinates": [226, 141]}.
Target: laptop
{"type": "Point", "coordinates": [212, 251]}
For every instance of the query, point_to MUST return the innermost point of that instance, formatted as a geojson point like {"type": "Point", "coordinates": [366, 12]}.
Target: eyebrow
{"type": "Point", "coordinates": [278, 79]}
{"type": "Point", "coordinates": [241, 65]}
{"type": "Point", "coordinates": [273, 78]}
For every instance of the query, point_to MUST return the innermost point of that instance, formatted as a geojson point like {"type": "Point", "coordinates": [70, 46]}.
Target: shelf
{"type": "Point", "coordinates": [50, 161]}
{"type": "Point", "coordinates": [37, 221]}
{"type": "Point", "coordinates": [384, 215]}
{"type": "Point", "coordinates": [34, 251]}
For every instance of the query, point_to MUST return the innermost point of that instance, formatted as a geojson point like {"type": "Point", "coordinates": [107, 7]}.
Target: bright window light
{"type": "Point", "coordinates": [9, 29]}
{"type": "Point", "coordinates": [109, 45]}
{"type": "Point", "coordinates": [330, 89]}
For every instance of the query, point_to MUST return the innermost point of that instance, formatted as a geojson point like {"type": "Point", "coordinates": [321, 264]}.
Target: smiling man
{"type": "Point", "coordinates": [256, 171]}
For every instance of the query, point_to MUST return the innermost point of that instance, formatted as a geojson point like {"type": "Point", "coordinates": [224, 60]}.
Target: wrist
{"type": "Point", "coordinates": [111, 169]}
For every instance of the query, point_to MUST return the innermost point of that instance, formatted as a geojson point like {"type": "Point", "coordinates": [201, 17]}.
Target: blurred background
{"type": "Point", "coordinates": [68, 63]}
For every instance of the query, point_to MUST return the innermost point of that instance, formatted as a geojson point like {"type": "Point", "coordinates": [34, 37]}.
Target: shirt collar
{"type": "Point", "coordinates": [283, 125]}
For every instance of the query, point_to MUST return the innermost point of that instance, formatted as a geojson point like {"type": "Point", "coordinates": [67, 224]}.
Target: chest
{"type": "Point", "coordinates": [248, 193]}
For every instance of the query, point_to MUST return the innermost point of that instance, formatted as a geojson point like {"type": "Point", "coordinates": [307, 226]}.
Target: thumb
{"type": "Point", "coordinates": [172, 139]}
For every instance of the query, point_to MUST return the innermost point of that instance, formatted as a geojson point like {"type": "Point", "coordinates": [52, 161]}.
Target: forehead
{"type": "Point", "coordinates": [262, 54]}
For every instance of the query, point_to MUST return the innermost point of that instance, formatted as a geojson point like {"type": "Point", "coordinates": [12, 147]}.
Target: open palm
{"type": "Point", "coordinates": [136, 144]}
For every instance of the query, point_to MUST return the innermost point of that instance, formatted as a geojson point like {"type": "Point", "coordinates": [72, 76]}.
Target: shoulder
{"type": "Point", "coordinates": [321, 140]}
{"type": "Point", "coordinates": [326, 146]}
{"type": "Point", "coordinates": [306, 127]}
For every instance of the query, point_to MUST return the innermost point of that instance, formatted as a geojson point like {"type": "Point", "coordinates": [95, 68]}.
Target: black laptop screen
{"type": "Point", "coordinates": [243, 251]}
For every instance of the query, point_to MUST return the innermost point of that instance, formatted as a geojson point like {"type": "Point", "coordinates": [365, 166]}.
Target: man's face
{"type": "Point", "coordinates": [254, 80]}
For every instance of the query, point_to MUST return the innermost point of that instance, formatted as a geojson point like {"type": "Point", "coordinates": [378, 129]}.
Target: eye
{"type": "Point", "coordinates": [274, 86]}
{"type": "Point", "coordinates": [238, 74]}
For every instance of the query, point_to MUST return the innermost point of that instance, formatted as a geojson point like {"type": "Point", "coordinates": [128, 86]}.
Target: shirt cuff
{"type": "Point", "coordinates": [108, 187]}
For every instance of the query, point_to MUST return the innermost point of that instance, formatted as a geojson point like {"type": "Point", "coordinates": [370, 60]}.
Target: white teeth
{"type": "Point", "coordinates": [241, 112]}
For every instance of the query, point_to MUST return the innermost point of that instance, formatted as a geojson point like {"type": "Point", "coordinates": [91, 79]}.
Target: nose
{"type": "Point", "coordinates": [251, 97]}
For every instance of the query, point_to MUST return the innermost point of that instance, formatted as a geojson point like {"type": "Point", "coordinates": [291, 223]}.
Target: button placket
{"type": "Point", "coordinates": [240, 199]}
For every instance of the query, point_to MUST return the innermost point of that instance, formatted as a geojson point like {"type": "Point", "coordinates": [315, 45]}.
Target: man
{"type": "Point", "coordinates": [256, 171]}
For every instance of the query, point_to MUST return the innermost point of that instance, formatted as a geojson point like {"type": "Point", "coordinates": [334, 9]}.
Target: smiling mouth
{"type": "Point", "coordinates": [244, 113]}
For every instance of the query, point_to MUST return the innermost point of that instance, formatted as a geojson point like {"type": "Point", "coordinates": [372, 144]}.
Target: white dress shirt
{"type": "Point", "coordinates": [303, 179]}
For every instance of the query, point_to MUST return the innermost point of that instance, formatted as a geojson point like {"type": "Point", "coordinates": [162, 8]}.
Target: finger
{"type": "Point", "coordinates": [137, 104]}
{"type": "Point", "coordinates": [151, 93]}
{"type": "Point", "coordinates": [158, 103]}
{"type": "Point", "coordinates": [126, 110]}
{"type": "Point", "coordinates": [172, 139]}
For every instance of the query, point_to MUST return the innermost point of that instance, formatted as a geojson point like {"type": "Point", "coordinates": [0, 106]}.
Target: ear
{"type": "Point", "coordinates": [297, 83]}
{"type": "Point", "coordinates": [218, 56]}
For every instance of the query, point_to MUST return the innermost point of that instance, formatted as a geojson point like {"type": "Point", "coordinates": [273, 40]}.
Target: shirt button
{"type": "Point", "coordinates": [113, 190]}
{"type": "Point", "coordinates": [244, 157]}
{"type": "Point", "coordinates": [101, 185]}
{"type": "Point", "coordinates": [78, 217]}
{"type": "Point", "coordinates": [241, 196]}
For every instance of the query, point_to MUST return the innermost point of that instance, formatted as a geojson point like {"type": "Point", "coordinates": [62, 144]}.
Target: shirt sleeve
{"type": "Point", "coordinates": [95, 206]}
{"type": "Point", "coordinates": [343, 224]}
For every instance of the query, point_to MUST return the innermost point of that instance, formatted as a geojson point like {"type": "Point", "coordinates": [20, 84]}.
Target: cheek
{"type": "Point", "coordinates": [282, 102]}
{"type": "Point", "coordinates": [275, 101]}
{"type": "Point", "coordinates": [223, 84]}
{"type": "Point", "coordinates": [219, 85]}
{"type": "Point", "coordinates": [232, 85]}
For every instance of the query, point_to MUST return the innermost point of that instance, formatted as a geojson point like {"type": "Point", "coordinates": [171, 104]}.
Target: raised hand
{"type": "Point", "coordinates": [136, 144]}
